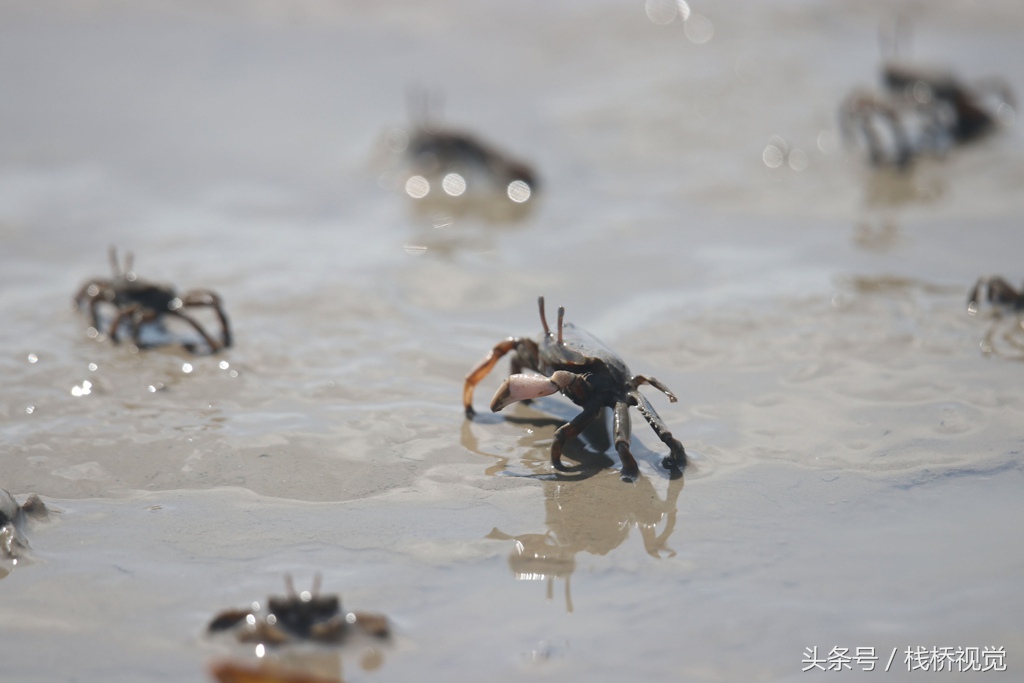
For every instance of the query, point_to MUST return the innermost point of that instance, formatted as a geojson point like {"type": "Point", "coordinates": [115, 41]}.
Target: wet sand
{"type": "Point", "coordinates": [854, 433]}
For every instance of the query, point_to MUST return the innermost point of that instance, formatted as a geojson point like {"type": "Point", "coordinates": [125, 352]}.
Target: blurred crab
{"type": "Point", "coordinates": [297, 617]}
{"type": "Point", "coordinates": [997, 292]}
{"type": "Point", "coordinates": [455, 170]}
{"type": "Point", "coordinates": [138, 303]}
{"type": "Point", "coordinates": [921, 110]}
{"type": "Point", "coordinates": [573, 362]}
{"type": "Point", "coordinates": [455, 157]}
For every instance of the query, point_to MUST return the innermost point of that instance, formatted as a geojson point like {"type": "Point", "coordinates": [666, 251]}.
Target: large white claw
{"type": "Point", "coordinates": [522, 387]}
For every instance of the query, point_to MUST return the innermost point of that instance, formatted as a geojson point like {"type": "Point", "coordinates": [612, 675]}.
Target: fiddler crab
{"type": "Point", "coordinates": [305, 616]}
{"type": "Point", "coordinates": [921, 111]}
{"type": "Point", "coordinates": [454, 166]}
{"type": "Point", "coordinates": [454, 157]}
{"type": "Point", "coordinates": [138, 303]}
{"type": "Point", "coordinates": [588, 373]}
{"type": "Point", "coordinates": [997, 292]}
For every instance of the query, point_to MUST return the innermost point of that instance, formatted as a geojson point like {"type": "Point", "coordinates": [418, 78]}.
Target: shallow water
{"type": "Point", "coordinates": [855, 469]}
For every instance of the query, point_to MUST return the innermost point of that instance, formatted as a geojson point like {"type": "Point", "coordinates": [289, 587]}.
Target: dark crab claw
{"type": "Point", "coordinates": [522, 387]}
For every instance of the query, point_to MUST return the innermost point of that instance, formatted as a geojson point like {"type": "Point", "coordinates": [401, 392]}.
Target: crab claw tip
{"type": "Point", "coordinates": [522, 387]}
{"type": "Point", "coordinates": [502, 397]}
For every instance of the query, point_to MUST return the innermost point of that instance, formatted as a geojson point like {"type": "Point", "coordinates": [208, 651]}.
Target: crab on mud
{"type": "Point", "coordinates": [305, 616]}
{"type": "Point", "coordinates": [592, 376]}
{"type": "Point", "coordinates": [139, 303]}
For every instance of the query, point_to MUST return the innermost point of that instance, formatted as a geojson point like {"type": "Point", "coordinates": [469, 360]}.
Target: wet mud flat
{"type": "Point", "coordinates": [853, 431]}
{"type": "Point", "coordinates": [770, 562]}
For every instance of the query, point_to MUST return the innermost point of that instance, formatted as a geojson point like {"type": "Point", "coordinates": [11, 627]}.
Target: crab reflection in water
{"type": "Point", "coordinates": [593, 516]}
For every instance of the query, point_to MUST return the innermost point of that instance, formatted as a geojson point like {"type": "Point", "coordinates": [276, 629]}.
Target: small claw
{"type": "Point", "coordinates": [522, 387]}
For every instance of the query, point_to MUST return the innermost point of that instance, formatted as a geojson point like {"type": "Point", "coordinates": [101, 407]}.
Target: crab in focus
{"type": "Point", "coordinates": [573, 362]}
{"type": "Point", "coordinates": [138, 303]}
{"type": "Point", "coordinates": [305, 616]}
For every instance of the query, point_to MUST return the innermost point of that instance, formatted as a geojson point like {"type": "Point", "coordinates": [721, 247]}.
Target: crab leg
{"type": "Point", "coordinates": [677, 455]}
{"type": "Point", "coordinates": [622, 430]}
{"type": "Point", "coordinates": [94, 312]}
{"type": "Point", "coordinates": [121, 315]}
{"type": "Point", "coordinates": [644, 379]}
{"type": "Point", "coordinates": [214, 346]}
{"type": "Point", "coordinates": [571, 430]}
{"type": "Point", "coordinates": [205, 297]}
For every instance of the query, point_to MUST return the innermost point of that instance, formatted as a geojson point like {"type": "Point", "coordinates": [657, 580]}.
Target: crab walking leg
{"type": "Point", "coordinates": [481, 369]}
{"type": "Point", "coordinates": [621, 429]}
{"type": "Point", "coordinates": [140, 318]}
{"type": "Point", "coordinates": [205, 297]}
{"type": "Point", "coordinates": [644, 379]}
{"type": "Point", "coordinates": [903, 149]}
{"type": "Point", "coordinates": [214, 346]}
{"type": "Point", "coordinates": [571, 430]}
{"type": "Point", "coordinates": [677, 455]}
{"type": "Point", "coordinates": [121, 315]}
{"type": "Point", "coordinates": [94, 312]}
